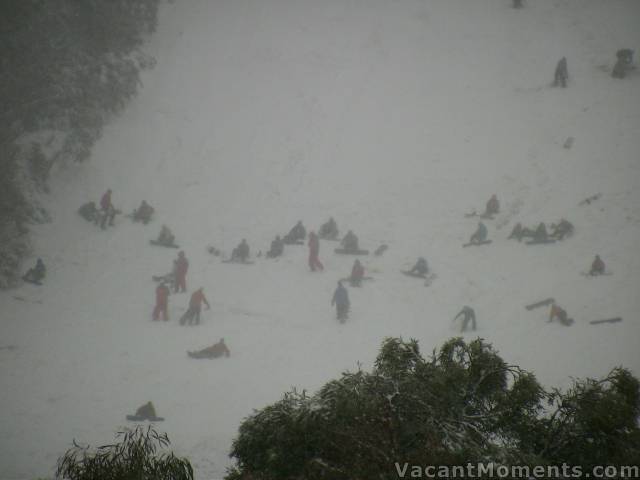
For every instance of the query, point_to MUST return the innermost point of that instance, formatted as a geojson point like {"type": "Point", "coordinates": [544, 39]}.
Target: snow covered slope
{"type": "Point", "coordinates": [395, 117]}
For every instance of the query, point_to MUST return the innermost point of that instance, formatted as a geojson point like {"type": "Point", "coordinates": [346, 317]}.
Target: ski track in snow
{"type": "Point", "coordinates": [396, 118]}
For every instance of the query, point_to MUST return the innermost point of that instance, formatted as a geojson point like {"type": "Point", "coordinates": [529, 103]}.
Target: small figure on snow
{"type": "Point", "coordinates": [541, 235]}
{"type": "Point", "coordinates": [89, 212]}
{"type": "Point", "coordinates": [357, 274]}
{"type": "Point", "coordinates": [214, 351]}
{"type": "Point", "coordinates": [624, 64]}
{"type": "Point", "coordinates": [297, 234]}
{"type": "Point", "coordinates": [329, 230]}
{"type": "Point", "coordinates": [166, 238]}
{"type": "Point", "coordinates": [192, 315]}
{"type": "Point", "coordinates": [241, 252]}
{"type": "Point", "coordinates": [597, 267]}
{"type": "Point", "coordinates": [36, 274]}
{"type": "Point", "coordinates": [146, 412]}
{"type": "Point", "coordinates": [143, 213]}
{"type": "Point", "coordinates": [180, 268]}
{"type": "Point", "coordinates": [277, 248]}
{"type": "Point", "coordinates": [468, 315]}
{"type": "Point", "coordinates": [561, 74]}
{"type": "Point", "coordinates": [162, 302]}
{"type": "Point", "coordinates": [107, 210]}
{"type": "Point", "coordinates": [480, 235]}
{"type": "Point", "coordinates": [314, 249]}
{"type": "Point", "coordinates": [420, 269]}
{"type": "Point", "coordinates": [560, 314]}
{"type": "Point", "coordinates": [493, 206]}
{"type": "Point", "coordinates": [341, 301]}
{"type": "Point", "coordinates": [350, 242]}
{"type": "Point", "coordinates": [562, 229]}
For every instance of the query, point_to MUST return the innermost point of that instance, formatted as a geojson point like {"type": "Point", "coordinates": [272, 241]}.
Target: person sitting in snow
{"type": "Point", "coordinates": [562, 229]}
{"type": "Point", "coordinates": [560, 314]}
{"type": "Point", "coordinates": [329, 230]}
{"type": "Point", "coordinates": [350, 242]}
{"type": "Point", "coordinates": [493, 206]}
{"type": "Point", "coordinates": [420, 268]}
{"type": "Point", "coordinates": [277, 248]}
{"type": "Point", "coordinates": [143, 213]}
{"type": "Point", "coordinates": [146, 412]}
{"type": "Point", "coordinates": [624, 64]}
{"type": "Point", "coordinates": [241, 252]}
{"type": "Point", "coordinates": [297, 234]}
{"type": "Point", "coordinates": [214, 351]}
{"type": "Point", "coordinates": [480, 235]}
{"type": "Point", "coordinates": [597, 267]}
{"type": "Point", "coordinates": [166, 237]}
{"type": "Point", "coordinates": [89, 212]}
{"type": "Point", "coordinates": [36, 274]}
{"type": "Point", "coordinates": [541, 235]}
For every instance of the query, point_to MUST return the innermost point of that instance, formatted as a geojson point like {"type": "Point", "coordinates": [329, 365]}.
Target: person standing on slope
{"type": "Point", "coordinates": [107, 209]}
{"type": "Point", "coordinates": [341, 301]}
{"type": "Point", "coordinates": [314, 250]}
{"type": "Point", "coordinates": [192, 315]}
{"type": "Point", "coordinates": [180, 268]}
{"type": "Point", "coordinates": [468, 315]}
{"type": "Point", "coordinates": [162, 301]}
{"type": "Point", "coordinates": [357, 274]}
{"type": "Point", "coordinates": [560, 76]}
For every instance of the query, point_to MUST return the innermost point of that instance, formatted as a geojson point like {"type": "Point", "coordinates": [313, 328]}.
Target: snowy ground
{"type": "Point", "coordinates": [395, 117]}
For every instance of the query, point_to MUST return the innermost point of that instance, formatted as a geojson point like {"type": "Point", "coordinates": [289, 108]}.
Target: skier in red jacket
{"type": "Point", "coordinates": [162, 301]}
{"type": "Point", "coordinates": [192, 315]}
{"type": "Point", "coordinates": [314, 249]}
{"type": "Point", "coordinates": [357, 273]}
{"type": "Point", "coordinates": [180, 268]}
{"type": "Point", "coordinates": [108, 211]}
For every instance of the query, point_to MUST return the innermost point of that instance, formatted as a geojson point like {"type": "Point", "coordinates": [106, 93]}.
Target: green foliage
{"type": "Point", "coordinates": [135, 456]}
{"type": "Point", "coordinates": [463, 404]}
{"type": "Point", "coordinates": [68, 66]}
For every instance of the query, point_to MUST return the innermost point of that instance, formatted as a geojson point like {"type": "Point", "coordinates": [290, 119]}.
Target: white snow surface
{"type": "Point", "coordinates": [394, 116]}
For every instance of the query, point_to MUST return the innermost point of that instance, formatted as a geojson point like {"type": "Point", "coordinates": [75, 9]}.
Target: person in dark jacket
{"type": "Point", "coordinates": [36, 274]}
{"type": "Point", "coordinates": [493, 206]}
{"type": "Point", "coordinates": [143, 213]}
{"type": "Point", "coordinates": [192, 315]}
{"type": "Point", "coordinates": [597, 267]}
{"type": "Point", "coordinates": [297, 234]}
{"type": "Point", "coordinates": [277, 248]}
{"type": "Point", "coordinates": [180, 269]}
{"type": "Point", "coordinates": [329, 230]}
{"type": "Point", "coordinates": [421, 268]}
{"type": "Point", "coordinates": [341, 301]}
{"type": "Point", "coordinates": [89, 212]}
{"type": "Point", "coordinates": [166, 237]}
{"type": "Point", "coordinates": [624, 64]}
{"type": "Point", "coordinates": [214, 351]}
{"type": "Point", "coordinates": [357, 274]}
{"type": "Point", "coordinates": [468, 315]}
{"type": "Point", "coordinates": [147, 412]}
{"type": "Point", "coordinates": [562, 229]}
{"type": "Point", "coordinates": [541, 234]}
{"type": "Point", "coordinates": [107, 210]}
{"type": "Point", "coordinates": [241, 252]}
{"type": "Point", "coordinates": [350, 242]}
{"type": "Point", "coordinates": [561, 75]}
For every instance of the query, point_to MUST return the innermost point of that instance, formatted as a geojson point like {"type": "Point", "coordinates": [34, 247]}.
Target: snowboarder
{"type": "Point", "coordinates": [296, 235]}
{"type": "Point", "coordinates": [493, 206]}
{"type": "Point", "coordinates": [143, 213]}
{"type": "Point", "coordinates": [561, 74]}
{"type": "Point", "coordinates": [623, 64]}
{"type": "Point", "coordinates": [277, 248]}
{"type": "Point", "coordinates": [350, 242]}
{"type": "Point", "coordinates": [480, 235]}
{"type": "Point", "coordinates": [214, 351]}
{"type": "Point", "coordinates": [314, 249]}
{"type": "Point", "coordinates": [89, 212]}
{"type": "Point", "coordinates": [162, 301]}
{"type": "Point", "coordinates": [357, 274]}
{"type": "Point", "coordinates": [329, 230]}
{"type": "Point", "coordinates": [146, 412]}
{"type": "Point", "coordinates": [192, 315]}
{"type": "Point", "coordinates": [36, 274]}
{"type": "Point", "coordinates": [468, 316]}
{"type": "Point", "coordinates": [560, 314]}
{"type": "Point", "coordinates": [562, 229]}
{"type": "Point", "coordinates": [107, 210]}
{"type": "Point", "coordinates": [166, 238]}
{"type": "Point", "coordinates": [241, 252]}
{"type": "Point", "coordinates": [597, 267]}
{"type": "Point", "coordinates": [517, 232]}
{"type": "Point", "coordinates": [541, 235]}
{"type": "Point", "coordinates": [421, 268]}
{"type": "Point", "coordinates": [180, 268]}
{"type": "Point", "coordinates": [341, 301]}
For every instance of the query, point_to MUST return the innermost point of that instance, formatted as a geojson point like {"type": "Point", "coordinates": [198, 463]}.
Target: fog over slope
{"type": "Point", "coordinates": [394, 117]}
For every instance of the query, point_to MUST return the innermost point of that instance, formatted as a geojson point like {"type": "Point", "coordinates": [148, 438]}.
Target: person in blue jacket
{"type": "Point", "coordinates": [341, 301]}
{"type": "Point", "coordinates": [480, 234]}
